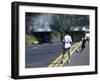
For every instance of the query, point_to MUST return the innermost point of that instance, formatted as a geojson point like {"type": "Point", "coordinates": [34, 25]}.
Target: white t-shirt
{"type": "Point", "coordinates": [67, 39]}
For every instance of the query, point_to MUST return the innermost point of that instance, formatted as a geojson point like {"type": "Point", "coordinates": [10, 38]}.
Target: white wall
{"type": "Point", "coordinates": [5, 38]}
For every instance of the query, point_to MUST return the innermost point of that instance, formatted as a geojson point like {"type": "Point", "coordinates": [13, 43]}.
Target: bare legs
{"type": "Point", "coordinates": [64, 52]}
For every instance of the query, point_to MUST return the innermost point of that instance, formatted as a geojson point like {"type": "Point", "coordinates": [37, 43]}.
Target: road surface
{"type": "Point", "coordinates": [44, 55]}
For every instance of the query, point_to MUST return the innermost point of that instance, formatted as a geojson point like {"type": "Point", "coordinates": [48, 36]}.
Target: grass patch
{"type": "Point", "coordinates": [30, 39]}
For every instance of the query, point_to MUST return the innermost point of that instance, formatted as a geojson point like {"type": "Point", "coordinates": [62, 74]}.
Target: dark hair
{"type": "Point", "coordinates": [66, 32]}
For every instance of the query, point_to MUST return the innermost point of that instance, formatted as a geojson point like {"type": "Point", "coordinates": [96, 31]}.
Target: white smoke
{"type": "Point", "coordinates": [42, 23]}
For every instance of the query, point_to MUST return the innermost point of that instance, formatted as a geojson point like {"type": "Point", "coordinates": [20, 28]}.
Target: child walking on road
{"type": "Point", "coordinates": [66, 45]}
{"type": "Point", "coordinates": [83, 44]}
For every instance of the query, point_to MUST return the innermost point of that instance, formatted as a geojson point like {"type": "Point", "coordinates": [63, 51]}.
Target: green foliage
{"type": "Point", "coordinates": [64, 22]}
{"type": "Point", "coordinates": [55, 36]}
{"type": "Point", "coordinates": [55, 33]}
{"type": "Point", "coordinates": [30, 39]}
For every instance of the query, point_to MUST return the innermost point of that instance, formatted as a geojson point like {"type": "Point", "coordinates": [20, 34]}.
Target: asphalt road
{"type": "Point", "coordinates": [43, 55]}
{"type": "Point", "coordinates": [80, 58]}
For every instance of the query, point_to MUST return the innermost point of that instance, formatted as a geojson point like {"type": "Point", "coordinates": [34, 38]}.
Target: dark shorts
{"type": "Point", "coordinates": [65, 50]}
{"type": "Point", "coordinates": [83, 46]}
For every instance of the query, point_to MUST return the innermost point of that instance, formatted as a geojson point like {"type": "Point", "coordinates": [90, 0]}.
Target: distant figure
{"type": "Point", "coordinates": [66, 45]}
{"type": "Point", "coordinates": [83, 43]}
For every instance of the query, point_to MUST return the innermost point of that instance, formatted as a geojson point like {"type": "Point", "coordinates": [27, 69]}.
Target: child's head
{"type": "Point", "coordinates": [66, 32]}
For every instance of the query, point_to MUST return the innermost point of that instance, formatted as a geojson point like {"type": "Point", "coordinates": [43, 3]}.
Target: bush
{"type": "Point", "coordinates": [30, 39]}
{"type": "Point", "coordinates": [55, 36]}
